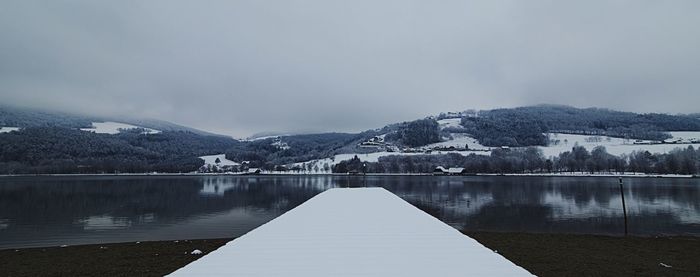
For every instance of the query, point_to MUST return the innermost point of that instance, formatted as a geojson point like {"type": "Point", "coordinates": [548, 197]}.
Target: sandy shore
{"type": "Point", "coordinates": [541, 254]}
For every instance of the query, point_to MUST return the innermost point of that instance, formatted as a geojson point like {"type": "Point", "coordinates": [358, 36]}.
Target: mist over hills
{"type": "Point", "coordinates": [31, 117]}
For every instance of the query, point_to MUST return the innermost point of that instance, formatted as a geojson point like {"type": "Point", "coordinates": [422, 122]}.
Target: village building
{"type": "Point", "coordinates": [254, 171]}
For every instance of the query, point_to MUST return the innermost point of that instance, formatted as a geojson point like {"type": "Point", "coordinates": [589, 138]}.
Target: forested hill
{"type": "Point", "coordinates": [52, 142]}
{"type": "Point", "coordinates": [26, 117]}
{"type": "Point", "coordinates": [49, 142]}
{"type": "Point", "coordinates": [36, 150]}
{"type": "Point", "coordinates": [525, 126]}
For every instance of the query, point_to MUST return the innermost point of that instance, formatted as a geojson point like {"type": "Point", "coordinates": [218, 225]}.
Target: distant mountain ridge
{"type": "Point", "coordinates": [28, 117]}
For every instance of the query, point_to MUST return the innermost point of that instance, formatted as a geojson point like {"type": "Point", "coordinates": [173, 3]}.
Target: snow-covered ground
{"type": "Point", "coordinates": [686, 135]}
{"type": "Point", "coordinates": [353, 232]}
{"type": "Point", "coordinates": [374, 157]}
{"type": "Point", "coordinates": [264, 137]}
{"type": "Point", "coordinates": [615, 146]}
{"type": "Point", "coordinates": [211, 160]}
{"type": "Point", "coordinates": [458, 141]}
{"type": "Point", "coordinates": [280, 144]}
{"type": "Point", "coordinates": [450, 122]}
{"type": "Point", "coordinates": [8, 129]}
{"type": "Point", "coordinates": [112, 128]}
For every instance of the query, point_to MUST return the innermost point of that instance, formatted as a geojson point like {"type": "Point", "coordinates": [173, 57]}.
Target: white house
{"type": "Point", "coordinates": [254, 171]}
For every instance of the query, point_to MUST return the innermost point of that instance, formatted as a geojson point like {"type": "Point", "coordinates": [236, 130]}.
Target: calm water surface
{"type": "Point", "coordinates": [45, 211]}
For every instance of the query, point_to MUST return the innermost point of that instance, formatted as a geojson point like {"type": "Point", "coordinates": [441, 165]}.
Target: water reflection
{"type": "Point", "coordinates": [37, 211]}
{"type": "Point", "coordinates": [62, 210]}
{"type": "Point", "coordinates": [571, 205]}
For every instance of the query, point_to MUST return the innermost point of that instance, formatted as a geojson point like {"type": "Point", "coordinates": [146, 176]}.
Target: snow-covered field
{"type": "Point", "coordinates": [450, 122]}
{"type": "Point", "coordinates": [264, 137]}
{"type": "Point", "coordinates": [374, 157]}
{"type": "Point", "coordinates": [8, 129]}
{"type": "Point", "coordinates": [211, 160]}
{"type": "Point", "coordinates": [686, 135]}
{"type": "Point", "coordinates": [615, 146]}
{"type": "Point", "coordinates": [458, 141]}
{"type": "Point", "coordinates": [114, 128]}
{"type": "Point", "coordinates": [376, 234]}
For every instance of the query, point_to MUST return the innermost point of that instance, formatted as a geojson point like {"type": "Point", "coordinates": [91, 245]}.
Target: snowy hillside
{"type": "Point", "coordinates": [558, 143]}
{"type": "Point", "coordinates": [617, 146]}
{"type": "Point", "coordinates": [450, 123]}
{"type": "Point", "coordinates": [372, 157]}
{"type": "Point", "coordinates": [458, 140]}
{"type": "Point", "coordinates": [211, 160]}
{"type": "Point", "coordinates": [115, 127]}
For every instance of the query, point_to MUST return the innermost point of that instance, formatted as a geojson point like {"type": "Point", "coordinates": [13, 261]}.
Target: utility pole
{"type": "Point", "coordinates": [624, 206]}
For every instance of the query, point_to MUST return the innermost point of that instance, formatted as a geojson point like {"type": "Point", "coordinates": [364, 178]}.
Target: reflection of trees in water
{"type": "Point", "coordinates": [541, 204]}
{"type": "Point", "coordinates": [168, 199]}
{"type": "Point", "coordinates": [684, 192]}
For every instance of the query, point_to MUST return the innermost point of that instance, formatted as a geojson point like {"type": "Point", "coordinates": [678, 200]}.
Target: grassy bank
{"type": "Point", "coordinates": [541, 254]}
{"type": "Point", "coordinates": [588, 255]}
{"type": "Point", "coordinates": [155, 258]}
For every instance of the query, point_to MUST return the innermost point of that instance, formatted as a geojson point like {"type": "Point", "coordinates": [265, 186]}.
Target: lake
{"type": "Point", "coordinates": [49, 211]}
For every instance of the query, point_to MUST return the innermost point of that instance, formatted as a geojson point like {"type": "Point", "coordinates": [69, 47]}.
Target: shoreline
{"type": "Point", "coordinates": [541, 254]}
{"type": "Point", "coordinates": [573, 174]}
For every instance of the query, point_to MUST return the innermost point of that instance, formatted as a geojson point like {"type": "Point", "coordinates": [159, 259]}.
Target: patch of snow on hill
{"type": "Point", "coordinates": [458, 141]}
{"type": "Point", "coordinates": [450, 122]}
{"type": "Point", "coordinates": [8, 129]}
{"type": "Point", "coordinates": [277, 142]}
{"type": "Point", "coordinates": [211, 160]}
{"type": "Point", "coordinates": [615, 146]}
{"type": "Point", "coordinates": [115, 127]}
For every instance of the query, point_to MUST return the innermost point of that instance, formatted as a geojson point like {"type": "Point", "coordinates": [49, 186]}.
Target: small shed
{"type": "Point", "coordinates": [254, 171]}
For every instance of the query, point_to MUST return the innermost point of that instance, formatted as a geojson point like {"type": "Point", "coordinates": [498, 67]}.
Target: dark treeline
{"type": "Point", "coordinates": [524, 126]}
{"type": "Point", "coordinates": [416, 133]}
{"type": "Point", "coordinates": [23, 117]}
{"type": "Point", "coordinates": [531, 160]}
{"type": "Point", "coordinates": [36, 150]}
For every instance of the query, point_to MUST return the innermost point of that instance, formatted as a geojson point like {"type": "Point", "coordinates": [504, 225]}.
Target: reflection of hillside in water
{"type": "Point", "coordinates": [39, 211]}
{"type": "Point", "coordinates": [576, 205]}
{"type": "Point", "coordinates": [94, 203]}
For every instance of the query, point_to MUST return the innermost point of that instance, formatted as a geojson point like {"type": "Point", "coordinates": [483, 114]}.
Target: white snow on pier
{"type": "Point", "coordinates": [353, 232]}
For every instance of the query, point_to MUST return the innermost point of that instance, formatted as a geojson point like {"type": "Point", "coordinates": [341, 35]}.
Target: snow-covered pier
{"type": "Point", "coordinates": [353, 232]}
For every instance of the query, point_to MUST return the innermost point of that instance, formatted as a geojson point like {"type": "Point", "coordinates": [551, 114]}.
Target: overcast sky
{"type": "Point", "coordinates": [241, 67]}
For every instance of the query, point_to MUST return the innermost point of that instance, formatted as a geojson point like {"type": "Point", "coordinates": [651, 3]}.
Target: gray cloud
{"type": "Point", "coordinates": [239, 67]}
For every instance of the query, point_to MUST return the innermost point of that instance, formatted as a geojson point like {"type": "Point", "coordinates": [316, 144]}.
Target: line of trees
{"type": "Point", "coordinates": [35, 150]}
{"type": "Point", "coordinates": [524, 126]}
{"type": "Point", "coordinates": [416, 133]}
{"type": "Point", "coordinates": [531, 160]}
